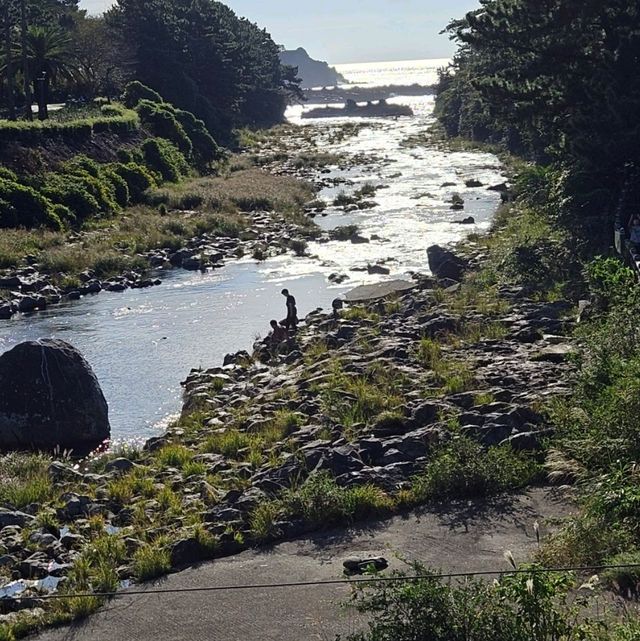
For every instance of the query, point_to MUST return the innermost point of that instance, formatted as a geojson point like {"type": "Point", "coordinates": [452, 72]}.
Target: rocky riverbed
{"type": "Point", "coordinates": [363, 399]}
{"type": "Point", "coordinates": [28, 289]}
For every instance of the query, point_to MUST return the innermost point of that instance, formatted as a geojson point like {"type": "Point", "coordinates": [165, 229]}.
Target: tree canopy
{"type": "Point", "coordinates": [197, 53]}
{"type": "Point", "coordinates": [557, 81]}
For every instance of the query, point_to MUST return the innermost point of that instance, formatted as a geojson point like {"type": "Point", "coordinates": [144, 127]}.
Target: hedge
{"type": "Point", "coordinates": [22, 206]}
{"type": "Point", "coordinates": [76, 131]}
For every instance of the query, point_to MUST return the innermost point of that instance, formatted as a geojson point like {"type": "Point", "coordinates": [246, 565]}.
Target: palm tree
{"type": "Point", "coordinates": [49, 60]}
{"type": "Point", "coordinates": [7, 70]}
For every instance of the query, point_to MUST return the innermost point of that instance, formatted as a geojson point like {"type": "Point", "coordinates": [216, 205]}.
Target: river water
{"type": "Point", "coordinates": [142, 343]}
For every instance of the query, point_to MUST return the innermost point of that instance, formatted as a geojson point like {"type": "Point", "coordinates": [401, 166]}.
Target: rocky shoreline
{"type": "Point", "coordinates": [255, 428]}
{"type": "Point", "coordinates": [27, 289]}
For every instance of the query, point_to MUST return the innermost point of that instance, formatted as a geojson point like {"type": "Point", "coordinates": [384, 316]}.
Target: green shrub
{"type": "Point", "coordinates": [205, 148]}
{"type": "Point", "coordinates": [321, 502]}
{"type": "Point", "coordinates": [464, 469]}
{"type": "Point", "coordinates": [161, 120]}
{"type": "Point", "coordinates": [161, 156]}
{"type": "Point", "coordinates": [531, 606]}
{"type": "Point", "coordinates": [7, 174]}
{"type": "Point", "coordinates": [119, 185]}
{"type": "Point", "coordinates": [124, 155]}
{"type": "Point", "coordinates": [75, 193]}
{"type": "Point", "coordinates": [137, 178]}
{"type": "Point", "coordinates": [22, 206]}
{"type": "Point", "coordinates": [609, 279]}
{"type": "Point", "coordinates": [112, 110]}
{"type": "Point", "coordinates": [82, 164]}
{"type": "Point", "coordinates": [135, 91]}
{"type": "Point", "coordinates": [24, 479]}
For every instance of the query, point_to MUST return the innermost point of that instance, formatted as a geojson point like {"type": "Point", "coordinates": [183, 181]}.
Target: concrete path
{"type": "Point", "coordinates": [464, 537]}
{"type": "Point", "coordinates": [366, 293]}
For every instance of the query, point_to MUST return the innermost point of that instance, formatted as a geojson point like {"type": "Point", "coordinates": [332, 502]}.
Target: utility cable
{"type": "Point", "coordinates": [355, 581]}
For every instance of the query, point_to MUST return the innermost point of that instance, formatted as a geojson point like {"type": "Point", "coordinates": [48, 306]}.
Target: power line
{"type": "Point", "coordinates": [301, 584]}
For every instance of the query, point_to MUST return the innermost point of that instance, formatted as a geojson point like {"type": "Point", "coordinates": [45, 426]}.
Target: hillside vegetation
{"type": "Point", "coordinates": [557, 84]}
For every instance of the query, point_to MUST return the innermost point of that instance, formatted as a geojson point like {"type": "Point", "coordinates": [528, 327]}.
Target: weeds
{"type": "Point", "coordinates": [24, 479]}
{"type": "Point", "coordinates": [151, 562]}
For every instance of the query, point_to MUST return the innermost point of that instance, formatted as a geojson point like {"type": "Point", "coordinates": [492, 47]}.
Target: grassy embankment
{"type": "Point", "coordinates": [594, 448]}
{"type": "Point", "coordinates": [216, 205]}
{"type": "Point", "coordinates": [82, 214]}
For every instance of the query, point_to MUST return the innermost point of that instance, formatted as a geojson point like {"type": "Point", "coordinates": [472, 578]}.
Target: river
{"type": "Point", "coordinates": [142, 343]}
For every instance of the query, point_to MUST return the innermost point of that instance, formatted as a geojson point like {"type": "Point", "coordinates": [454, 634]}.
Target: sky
{"type": "Point", "coordinates": [341, 31]}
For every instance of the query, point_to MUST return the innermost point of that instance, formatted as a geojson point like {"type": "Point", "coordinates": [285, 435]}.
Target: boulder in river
{"type": "Point", "coordinates": [50, 398]}
{"type": "Point", "coordinates": [444, 263]}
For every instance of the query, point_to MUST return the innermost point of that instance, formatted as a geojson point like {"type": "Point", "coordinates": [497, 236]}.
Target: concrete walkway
{"type": "Point", "coordinates": [464, 537]}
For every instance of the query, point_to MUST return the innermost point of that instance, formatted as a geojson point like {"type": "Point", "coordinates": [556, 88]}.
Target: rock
{"type": "Point", "coordinates": [75, 505]}
{"type": "Point", "coordinates": [119, 465]}
{"type": "Point", "coordinates": [31, 303]}
{"type": "Point", "coordinates": [444, 263]}
{"type": "Point", "coordinates": [51, 398]}
{"type": "Point", "coordinates": [35, 567]}
{"type": "Point", "coordinates": [502, 188]}
{"type": "Point", "coordinates": [389, 426]}
{"type": "Point", "coordinates": [525, 441]}
{"type": "Point", "coordinates": [238, 357]}
{"type": "Point", "coordinates": [341, 460]}
{"type": "Point", "coordinates": [378, 269]}
{"type": "Point", "coordinates": [194, 264]}
{"type": "Point", "coordinates": [356, 239]}
{"type": "Point", "coordinates": [72, 541]}
{"type": "Point", "coordinates": [10, 517]}
{"type": "Point", "coordinates": [222, 514]}
{"type": "Point", "coordinates": [7, 310]}
{"type": "Point", "coordinates": [472, 182]}
{"type": "Point", "coordinates": [425, 414]}
{"type": "Point", "coordinates": [553, 354]}
{"type": "Point", "coordinates": [188, 552]}
{"type": "Point", "coordinates": [361, 565]}
{"type": "Point", "coordinates": [469, 220]}
{"type": "Point", "coordinates": [366, 293]}
{"type": "Point", "coordinates": [10, 282]}
{"type": "Point", "coordinates": [58, 471]}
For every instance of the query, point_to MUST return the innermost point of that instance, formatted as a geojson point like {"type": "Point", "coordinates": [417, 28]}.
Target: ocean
{"type": "Point", "coordinates": [398, 72]}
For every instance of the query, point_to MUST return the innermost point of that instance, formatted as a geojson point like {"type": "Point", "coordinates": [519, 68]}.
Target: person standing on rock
{"type": "Point", "coordinates": [291, 322]}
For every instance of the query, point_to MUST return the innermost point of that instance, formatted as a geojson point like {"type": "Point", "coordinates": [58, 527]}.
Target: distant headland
{"type": "Point", "coordinates": [314, 73]}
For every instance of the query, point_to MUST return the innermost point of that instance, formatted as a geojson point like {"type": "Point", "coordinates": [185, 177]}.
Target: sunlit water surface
{"type": "Point", "coordinates": [142, 343]}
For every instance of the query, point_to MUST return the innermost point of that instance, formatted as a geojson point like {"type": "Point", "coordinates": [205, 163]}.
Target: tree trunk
{"type": "Point", "coordinates": [11, 99]}
{"type": "Point", "coordinates": [41, 89]}
{"type": "Point", "coordinates": [28, 96]}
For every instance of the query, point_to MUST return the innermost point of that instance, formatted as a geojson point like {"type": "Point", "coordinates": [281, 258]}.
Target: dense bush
{"type": "Point", "coordinates": [22, 206]}
{"type": "Point", "coordinates": [161, 156]}
{"type": "Point", "coordinates": [176, 46]}
{"type": "Point", "coordinates": [572, 106]}
{"type": "Point", "coordinates": [531, 606]}
{"type": "Point", "coordinates": [463, 468]}
{"type": "Point", "coordinates": [72, 193]}
{"type": "Point", "coordinates": [112, 110]}
{"type": "Point", "coordinates": [160, 118]}
{"type": "Point", "coordinates": [120, 187]}
{"type": "Point", "coordinates": [205, 148]}
{"type": "Point", "coordinates": [137, 178]}
{"type": "Point", "coordinates": [135, 91]}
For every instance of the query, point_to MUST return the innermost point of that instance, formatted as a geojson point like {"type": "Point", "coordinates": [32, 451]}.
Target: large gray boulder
{"type": "Point", "coordinates": [50, 397]}
{"type": "Point", "coordinates": [445, 264]}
